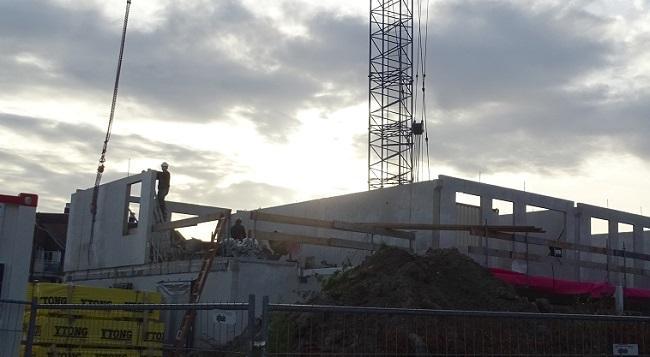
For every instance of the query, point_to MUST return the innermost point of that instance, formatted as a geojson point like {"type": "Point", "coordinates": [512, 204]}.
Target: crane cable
{"type": "Point", "coordinates": [421, 65]}
{"type": "Point", "coordinates": [102, 158]}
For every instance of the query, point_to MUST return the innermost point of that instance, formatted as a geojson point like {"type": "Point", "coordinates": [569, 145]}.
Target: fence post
{"type": "Point", "coordinates": [251, 324]}
{"type": "Point", "coordinates": [31, 329]}
{"type": "Point", "coordinates": [265, 324]}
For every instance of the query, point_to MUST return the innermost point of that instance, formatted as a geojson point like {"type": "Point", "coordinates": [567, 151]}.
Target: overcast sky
{"type": "Point", "coordinates": [256, 103]}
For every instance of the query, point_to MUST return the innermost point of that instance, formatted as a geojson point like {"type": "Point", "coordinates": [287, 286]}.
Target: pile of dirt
{"type": "Point", "coordinates": [441, 279]}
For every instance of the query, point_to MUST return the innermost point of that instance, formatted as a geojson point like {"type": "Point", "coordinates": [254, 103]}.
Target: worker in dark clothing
{"type": "Point", "coordinates": [163, 186]}
{"type": "Point", "coordinates": [133, 221]}
{"type": "Point", "coordinates": [238, 231]}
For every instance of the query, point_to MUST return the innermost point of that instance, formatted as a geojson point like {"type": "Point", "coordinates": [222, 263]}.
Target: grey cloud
{"type": "Point", "coordinates": [502, 51]}
{"type": "Point", "coordinates": [499, 73]}
{"type": "Point", "coordinates": [55, 176]}
{"type": "Point", "coordinates": [177, 71]}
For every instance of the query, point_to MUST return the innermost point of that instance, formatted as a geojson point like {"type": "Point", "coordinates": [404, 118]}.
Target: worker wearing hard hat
{"type": "Point", "coordinates": [163, 186]}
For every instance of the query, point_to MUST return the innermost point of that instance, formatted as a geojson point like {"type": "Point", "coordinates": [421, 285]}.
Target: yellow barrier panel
{"type": "Point", "coordinates": [95, 332]}
{"type": "Point", "coordinates": [52, 293]}
{"type": "Point", "coordinates": [45, 351]}
{"type": "Point", "coordinates": [152, 334]}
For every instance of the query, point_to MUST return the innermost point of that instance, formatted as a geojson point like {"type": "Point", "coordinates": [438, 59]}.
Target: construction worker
{"type": "Point", "coordinates": [133, 221]}
{"type": "Point", "coordinates": [238, 231]}
{"type": "Point", "coordinates": [163, 186]}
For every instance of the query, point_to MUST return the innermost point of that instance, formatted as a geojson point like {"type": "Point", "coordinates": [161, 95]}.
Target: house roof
{"type": "Point", "coordinates": [51, 231]}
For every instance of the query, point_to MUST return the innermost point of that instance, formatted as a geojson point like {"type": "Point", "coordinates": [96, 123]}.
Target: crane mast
{"type": "Point", "coordinates": [390, 94]}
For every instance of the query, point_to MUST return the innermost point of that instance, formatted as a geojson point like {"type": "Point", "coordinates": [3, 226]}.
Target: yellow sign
{"type": "Point", "coordinates": [52, 293]}
{"type": "Point", "coordinates": [43, 351]}
{"type": "Point", "coordinates": [89, 332]}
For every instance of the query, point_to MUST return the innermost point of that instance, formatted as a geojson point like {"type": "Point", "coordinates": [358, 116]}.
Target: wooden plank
{"type": "Point", "coordinates": [338, 225]}
{"type": "Point", "coordinates": [564, 245]}
{"type": "Point", "coordinates": [455, 227]}
{"type": "Point", "coordinates": [186, 222]}
{"type": "Point", "coordinates": [329, 242]}
{"type": "Point", "coordinates": [506, 254]}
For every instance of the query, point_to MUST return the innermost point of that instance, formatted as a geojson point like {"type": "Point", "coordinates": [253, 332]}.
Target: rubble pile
{"type": "Point", "coordinates": [441, 279]}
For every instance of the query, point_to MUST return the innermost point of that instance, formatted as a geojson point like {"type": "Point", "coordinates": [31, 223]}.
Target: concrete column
{"type": "Point", "coordinates": [447, 215]}
{"type": "Point", "coordinates": [519, 219]}
{"type": "Point", "coordinates": [583, 236]}
{"type": "Point", "coordinates": [571, 235]}
{"type": "Point", "coordinates": [612, 261]}
{"type": "Point", "coordinates": [638, 245]}
{"type": "Point", "coordinates": [147, 205]}
{"type": "Point", "coordinates": [487, 217]}
{"type": "Point", "coordinates": [434, 243]}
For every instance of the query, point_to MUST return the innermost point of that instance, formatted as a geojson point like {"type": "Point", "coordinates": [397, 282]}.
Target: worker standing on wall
{"type": "Point", "coordinates": [163, 187]}
{"type": "Point", "coordinates": [238, 231]}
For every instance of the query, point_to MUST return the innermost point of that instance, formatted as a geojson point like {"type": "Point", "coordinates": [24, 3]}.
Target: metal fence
{"type": "Point", "coordinates": [232, 329]}
{"type": "Point", "coordinates": [308, 330]}
{"type": "Point", "coordinates": [11, 326]}
{"type": "Point", "coordinates": [113, 330]}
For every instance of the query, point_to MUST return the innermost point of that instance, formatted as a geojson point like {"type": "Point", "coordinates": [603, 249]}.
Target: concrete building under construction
{"type": "Point", "coordinates": [150, 255]}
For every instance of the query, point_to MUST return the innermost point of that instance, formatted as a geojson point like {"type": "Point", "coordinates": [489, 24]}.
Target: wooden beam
{"type": "Point", "coordinates": [187, 222]}
{"type": "Point", "coordinates": [455, 227]}
{"type": "Point", "coordinates": [338, 225]}
{"type": "Point", "coordinates": [329, 242]}
{"type": "Point", "coordinates": [506, 254]}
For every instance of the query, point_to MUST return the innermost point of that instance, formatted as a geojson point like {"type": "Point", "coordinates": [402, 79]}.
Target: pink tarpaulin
{"type": "Point", "coordinates": [565, 287]}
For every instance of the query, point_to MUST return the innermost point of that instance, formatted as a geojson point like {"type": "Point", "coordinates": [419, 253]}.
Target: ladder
{"type": "Point", "coordinates": [199, 283]}
{"type": "Point", "coordinates": [156, 246]}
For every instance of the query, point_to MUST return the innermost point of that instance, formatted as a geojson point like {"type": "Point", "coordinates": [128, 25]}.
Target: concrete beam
{"type": "Point", "coordinates": [188, 222]}
{"type": "Point", "coordinates": [505, 194]}
{"type": "Point", "coordinates": [191, 209]}
{"type": "Point", "coordinates": [329, 242]}
{"type": "Point", "coordinates": [337, 225]}
{"type": "Point", "coordinates": [611, 214]}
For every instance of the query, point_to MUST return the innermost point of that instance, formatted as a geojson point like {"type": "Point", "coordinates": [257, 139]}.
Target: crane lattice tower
{"type": "Point", "coordinates": [390, 93]}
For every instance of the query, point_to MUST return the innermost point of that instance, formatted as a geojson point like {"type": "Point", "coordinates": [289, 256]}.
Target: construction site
{"type": "Point", "coordinates": [409, 267]}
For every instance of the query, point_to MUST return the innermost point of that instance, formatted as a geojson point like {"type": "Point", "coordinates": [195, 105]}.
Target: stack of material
{"type": "Point", "coordinates": [82, 332]}
{"type": "Point", "coordinates": [247, 247]}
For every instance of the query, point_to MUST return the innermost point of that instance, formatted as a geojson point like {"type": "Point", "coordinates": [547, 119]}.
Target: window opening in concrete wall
{"type": "Point", "coordinates": [468, 199]}
{"type": "Point", "coordinates": [625, 237]}
{"type": "Point", "coordinates": [530, 208]}
{"type": "Point", "coordinates": [553, 222]}
{"type": "Point", "coordinates": [504, 210]}
{"type": "Point", "coordinates": [624, 228]}
{"type": "Point", "coordinates": [132, 214]}
{"type": "Point", "coordinates": [625, 242]}
{"type": "Point", "coordinates": [502, 207]}
{"type": "Point", "coordinates": [599, 226]}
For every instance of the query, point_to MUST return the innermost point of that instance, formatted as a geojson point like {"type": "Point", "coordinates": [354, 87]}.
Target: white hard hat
{"type": "Point", "coordinates": [164, 164]}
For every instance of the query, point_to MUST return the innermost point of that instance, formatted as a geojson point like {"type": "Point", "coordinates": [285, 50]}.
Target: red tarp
{"type": "Point", "coordinates": [565, 287]}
